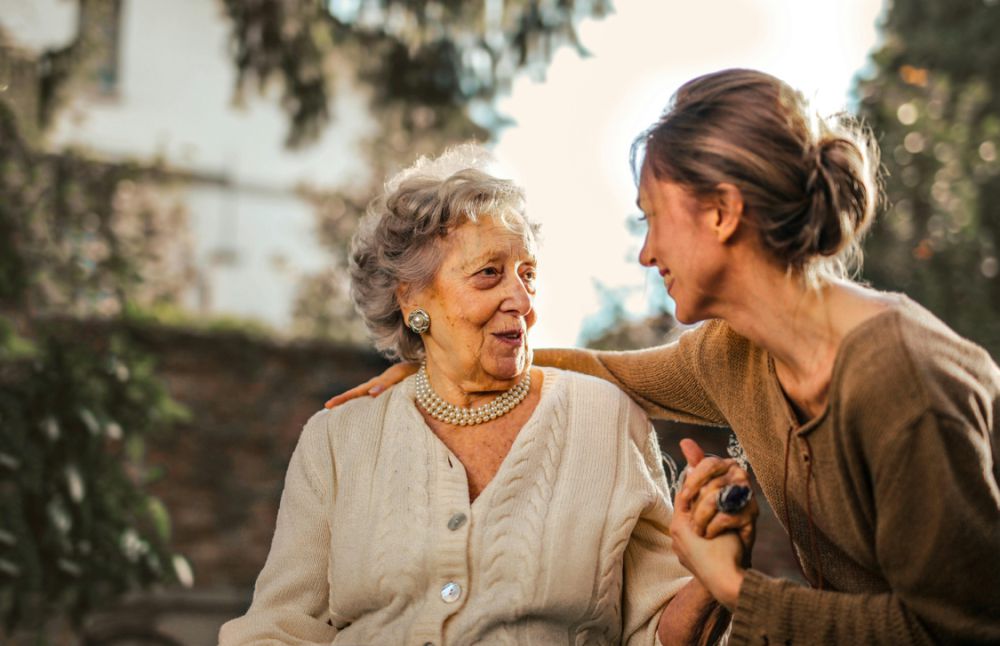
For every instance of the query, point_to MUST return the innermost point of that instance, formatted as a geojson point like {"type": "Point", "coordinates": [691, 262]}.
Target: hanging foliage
{"type": "Point", "coordinates": [441, 54]}
{"type": "Point", "coordinates": [78, 528]}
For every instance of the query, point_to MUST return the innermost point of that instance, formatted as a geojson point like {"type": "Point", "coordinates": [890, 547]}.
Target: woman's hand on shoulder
{"type": "Point", "coordinates": [376, 385]}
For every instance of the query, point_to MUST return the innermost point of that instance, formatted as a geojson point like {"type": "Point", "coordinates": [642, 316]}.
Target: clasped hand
{"type": "Point", "coordinates": [713, 545]}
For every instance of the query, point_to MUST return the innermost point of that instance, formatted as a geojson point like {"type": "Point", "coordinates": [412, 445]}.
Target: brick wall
{"type": "Point", "coordinates": [223, 470]}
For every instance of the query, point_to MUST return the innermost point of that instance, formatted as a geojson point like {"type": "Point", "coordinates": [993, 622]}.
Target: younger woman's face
{"type": "Point", "coordinates": [681, 244]}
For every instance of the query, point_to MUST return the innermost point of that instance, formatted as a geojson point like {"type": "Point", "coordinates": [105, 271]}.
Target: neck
{"type": "Point", "coordinates": [799, 326]}
{"type": "Point", "coordinates": [793, 322]}
{"type": "Point", "coordinates": [466, 390]}
{"type": "Point", "coordinates": [443, 411]}
{"type": "Point", "coordinates": [796, 324]}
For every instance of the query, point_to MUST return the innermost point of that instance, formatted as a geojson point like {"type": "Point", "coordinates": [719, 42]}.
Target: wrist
{"type": "Point", "coordinates": [727, 590]}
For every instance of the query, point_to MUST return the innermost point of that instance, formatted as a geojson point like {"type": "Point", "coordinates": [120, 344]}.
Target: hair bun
{"type": "Point", "coordinates": [840, 204]}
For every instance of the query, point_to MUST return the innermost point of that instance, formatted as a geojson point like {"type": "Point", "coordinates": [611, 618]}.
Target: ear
{"type": "Point", "coordinates": [729, 211]}
{"type": "Point", "coordinates": [403, 297]}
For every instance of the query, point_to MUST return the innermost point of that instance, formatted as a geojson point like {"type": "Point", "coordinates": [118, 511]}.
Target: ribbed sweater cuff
{"type": "Point", "coordinates": [752, 602]}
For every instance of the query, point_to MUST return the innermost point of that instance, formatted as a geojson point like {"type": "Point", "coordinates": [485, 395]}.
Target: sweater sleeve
{"type": "Point", "coordinates": [937, 529]}
{"type": "Point", "coordinates": [663, 380]}
{"type": "Point", "coordinates": [652, 572]}
{"type": "Point", "coordinates": [291, 596]}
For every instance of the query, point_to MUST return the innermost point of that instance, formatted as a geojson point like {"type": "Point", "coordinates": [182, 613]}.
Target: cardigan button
{"type": "Point", "coordinates": [456, 521]}
{"type": "Point", "coordinates": [451, 592]}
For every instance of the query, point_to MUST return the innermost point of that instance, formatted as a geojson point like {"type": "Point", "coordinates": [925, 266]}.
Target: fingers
{"type": "Point", "coordinates": [353, 393]}
{"type": "Point", "coordinates": [743, 523]}
{"type": "Point", "coordinates": [376, 385]}
{"type": "Point", "coordinates": [681, 535]}
{"type": "Point", "coordinates": [697, 498]}
{"type": "Point", "coordinates": [748, 534]}
{"type": "Point", "coordinates": [697, 477]}
{"type": "Point", "coordinates": [692, 452]}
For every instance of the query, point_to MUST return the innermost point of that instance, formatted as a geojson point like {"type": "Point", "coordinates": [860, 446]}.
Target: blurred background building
{"type": "Point", "coordinates": [179, 180]}
{"type": "Point", "coordinates": [160, 91]}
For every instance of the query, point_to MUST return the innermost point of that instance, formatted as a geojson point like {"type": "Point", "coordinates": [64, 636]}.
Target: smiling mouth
{"type": "Point", "coordinates": [512, 337]}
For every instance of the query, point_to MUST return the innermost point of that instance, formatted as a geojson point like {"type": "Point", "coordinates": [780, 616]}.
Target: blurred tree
{"type": "Point", "coordinates": [612, 329]}
{"type": "Point", "coordinates": [441, 54]}
{"type": "Point", "coordinates": [427, 66]}
{"type": "Point", "coordinates": [934, 102]}
{"type": "Point", "coordinates": [76, 526]}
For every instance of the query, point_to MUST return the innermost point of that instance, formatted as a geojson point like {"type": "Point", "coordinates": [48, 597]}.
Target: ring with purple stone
{"type": "Point", "coordinates": [733, 498]}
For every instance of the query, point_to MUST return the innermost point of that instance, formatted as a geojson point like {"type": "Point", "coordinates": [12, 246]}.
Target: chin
{"type": "Point", "coordinates": [507, 368]}
{"type": "Point", "coordinates": [685, 318]}
{"type": "Point", "coordinates": [687, 315]}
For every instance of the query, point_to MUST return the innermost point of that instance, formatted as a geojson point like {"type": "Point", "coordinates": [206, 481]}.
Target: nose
{"type": "Point", "coordinates": [646, 258]}
{"type": "Point", "coordinates": [519, 298]}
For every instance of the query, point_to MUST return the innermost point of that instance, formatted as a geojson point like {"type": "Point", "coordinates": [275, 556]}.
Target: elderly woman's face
{"type": "Point", "coordinates": [481, 305]}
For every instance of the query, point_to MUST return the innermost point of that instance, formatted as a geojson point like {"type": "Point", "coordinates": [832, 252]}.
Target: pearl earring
{"type": "Point", "coordinates": [419, 321]}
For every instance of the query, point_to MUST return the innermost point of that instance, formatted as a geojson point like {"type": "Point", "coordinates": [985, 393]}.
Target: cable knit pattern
{"type": "Point", "coordinates": [399, 563]}
{"type": "Point", "coordinates": [515, 521]}
{"type": "Point", "coordinates": [568, 544]}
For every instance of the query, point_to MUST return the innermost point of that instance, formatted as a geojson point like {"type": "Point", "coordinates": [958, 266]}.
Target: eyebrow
{"type": "Point", "coordinates": [492, 256]}
{"type": "Point", "coordinates": [488, 257]}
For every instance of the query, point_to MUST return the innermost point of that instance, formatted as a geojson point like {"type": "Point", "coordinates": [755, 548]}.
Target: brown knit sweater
{"type": "Point", "coordinates": [890, 495]}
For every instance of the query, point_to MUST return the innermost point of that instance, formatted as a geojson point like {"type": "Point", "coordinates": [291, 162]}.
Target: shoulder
{"type": "Point", "coordinates": [578, 388]}
{"type": "Point", "coordinates": [578, 384]}
{"type": "Point", "coordinates": [730, 358]}
{"type": "Point", "coordinates": [905, 363]}
{"type": "Point", "coordinates": [596, 403]}
{"type": "Point", "coordinates": [728, 365]}
{"type": "Point", "coordinates": [362, 417]}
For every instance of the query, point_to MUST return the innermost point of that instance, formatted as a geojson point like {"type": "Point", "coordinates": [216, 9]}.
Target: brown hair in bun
{"type": "Point", "coordinates": [810, 185]}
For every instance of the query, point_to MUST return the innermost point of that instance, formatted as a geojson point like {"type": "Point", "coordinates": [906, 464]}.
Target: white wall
{"type": "Point", "coordinates": [175, 103]}
{"type": "Point", "coordinates": [272, 237]}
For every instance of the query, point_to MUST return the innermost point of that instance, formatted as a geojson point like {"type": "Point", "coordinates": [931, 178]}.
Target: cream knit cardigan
{"type": "Point", "coordinates": [376, 542]}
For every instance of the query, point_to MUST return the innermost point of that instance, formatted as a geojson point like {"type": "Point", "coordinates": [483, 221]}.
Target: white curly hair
{"type": "Point", "coordinates": [399, 239]}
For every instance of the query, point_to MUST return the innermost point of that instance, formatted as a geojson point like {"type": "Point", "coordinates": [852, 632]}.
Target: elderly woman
{"type": "Point", "coordinates": [480, 500]}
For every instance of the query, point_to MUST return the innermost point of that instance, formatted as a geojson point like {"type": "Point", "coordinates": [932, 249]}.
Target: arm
{"type": "Point", "coordinates": [663, 380]}
{"type": "Point", "coordinates": [291, 596]}
{"type": "Point", "coordinates": [659, 598]}
{"type": "Point", "coordinates": [937, 529]}
{"type": "Point", "coordinates": [692, 617]}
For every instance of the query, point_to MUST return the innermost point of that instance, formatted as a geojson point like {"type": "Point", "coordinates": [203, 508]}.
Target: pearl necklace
{"type": "Point", "coordinates": [442, 411]}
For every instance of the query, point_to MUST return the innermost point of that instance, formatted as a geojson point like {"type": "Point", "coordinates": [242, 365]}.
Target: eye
{"type": "Point", "coordinates": [636, 223]}
{"type": "Point", "coordinates": [489, 271]}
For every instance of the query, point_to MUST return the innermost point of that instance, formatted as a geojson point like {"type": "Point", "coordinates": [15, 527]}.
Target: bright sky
{"type": "Point", "coordinates": [570, 145]}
